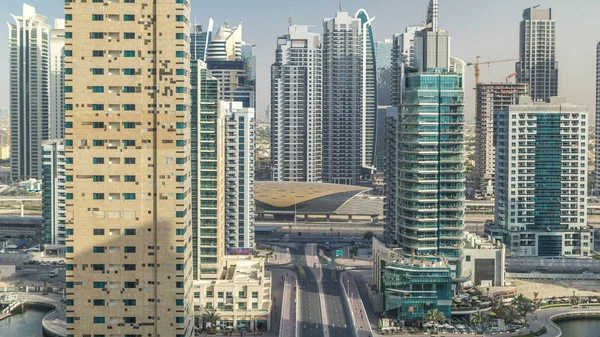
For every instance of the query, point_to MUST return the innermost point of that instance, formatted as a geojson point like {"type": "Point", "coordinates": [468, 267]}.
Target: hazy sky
{"type": "Point", "coordinates": [488, 28]}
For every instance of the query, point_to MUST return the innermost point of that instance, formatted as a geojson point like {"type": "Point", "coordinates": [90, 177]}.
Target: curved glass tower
{"type": "Point", "coordinates": [369, 90]}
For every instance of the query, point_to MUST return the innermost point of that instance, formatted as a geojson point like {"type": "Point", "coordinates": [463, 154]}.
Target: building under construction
{"type": "Point", "coordinates": [490, 97]}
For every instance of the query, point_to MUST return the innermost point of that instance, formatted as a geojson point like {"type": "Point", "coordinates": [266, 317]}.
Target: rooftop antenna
{"type": "Point", "coordinates": [290, 15]}
{"type": "Point", "coordinates": [340, 5]}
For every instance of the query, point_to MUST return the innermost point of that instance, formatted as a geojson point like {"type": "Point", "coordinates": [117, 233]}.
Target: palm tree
{"type": "Point", "coordinates": [435, 316]}
{"type": "Point", "coordinates": [44, 278]}
{"type": "Point", "coordinates": [353, 250]}
{"type": "Point", "coordinates": [535, 302]}
{"type": "Point", "coordinates": [368, 235]}
{"type": "Point", "coordinates": [500, 307]}
{"type": "Point", "coordinates": [575, 299]}
{"type": "Point", "coordinates": [510, 314]}
{"type": "Point", "coordinates": [211, 316]}
{"type": "Point", "coordinates": [479, 317]}
{"type": "Point", "coordinates": [522, 305]}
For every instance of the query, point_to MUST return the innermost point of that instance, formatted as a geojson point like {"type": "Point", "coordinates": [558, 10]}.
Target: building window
{"type": "Point", "coordinates": [128, 71]}
{"type": "Point", "coordinates": [98, 303]}
{"type": "Point", "coordinates": [129, 249]}
{"type": "Point", "coordinates": [129, 231]}
{"type": "Point", "coordinates": [129, 196]}
{"type": "Point", "coordinates": [254, 305]}
{"type": "Point", "coordinates": [129, 303]}
{"type": "Point", "coordinates": [96, 35]}
{"type": "Point", "coordinates": [129, 285]}
{"type": "Point", "coordinates": [128, 17]}
{"type": "Point", "coordinates": [129, 266]}
{"type": "Point", "coordinates": [468, 259]}
{"type": "Point", "coordinates": [129, 161]}
{"type": "Point", "coordinates": [98, 231]}
{"type": "Point", "coordinates": [129, 179]}
{"type": "Point", "coordinates": [98, 196]}
{"type": "Point", "coordinates": [129, 107]}
{"type": "Point", "coordinates": [129, 125]}
{"type": "Point", "coordinates": [129, 36]}
{"type": "Point", "coordinates": [98, 53]}
{"type": "Point", "coordinates": [129, 142]}
{"type": "Point", "coordinates": [98, 249]}
{"type": "Point", "coordinates": [98, 267]}
{"type": "Point", "coordinates": [97, 17]}
{"type": "Point", "coordinates": [255, 294]}
{"type": "Point", "coordinates": [129, 53]}
{"type": "Point", "coordinates": [98, 160]}
{"type": "Point", "coordinates": [98, 320]}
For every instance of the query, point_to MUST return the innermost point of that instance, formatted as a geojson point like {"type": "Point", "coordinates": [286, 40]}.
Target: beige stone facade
{"type": "Point", "coordinates": [127, 143]}
{"type": "Point", "coordinates": [241, 294]}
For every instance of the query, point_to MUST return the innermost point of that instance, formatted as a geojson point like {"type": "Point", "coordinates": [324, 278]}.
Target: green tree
{"type": "Point", "coordinates": [535, 300]}
{"type": "Point", "coordinates": [510, 315]}
{"type": "Point", "coordinates": [435, 316]}
{"type": "Point", "coordinates": [44, 278]}
{"type": "Point", "coordinates": [353, 250]}
{"type": "Point", "coordinates": [368, 235]}
{"type": "Point", "coordinates": [522, 305]}
{"type": "Point", "coordinates": [211, 316]}
{"type": "Point", "coordinates": [479, 317]}
{"type": "Point", "coordinates": [499, 307]}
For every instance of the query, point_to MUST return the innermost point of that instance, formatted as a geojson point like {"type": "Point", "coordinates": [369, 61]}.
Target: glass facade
{"type": "Point", "coordinates": [411, 290]}
{"type": "Point", "coordinates": [431, 182]}
{"type": "Point", "coordinates": [547, 173]}
{"type": "Point", "coordinates": [203, 120]}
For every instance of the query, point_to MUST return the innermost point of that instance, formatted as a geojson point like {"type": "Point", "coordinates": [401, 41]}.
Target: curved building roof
{"type": "Point", "coordinates": [303, 198]}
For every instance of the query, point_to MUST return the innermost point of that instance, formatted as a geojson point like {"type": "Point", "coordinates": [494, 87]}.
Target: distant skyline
{"type": "Point", "coordinates": [489, 29]}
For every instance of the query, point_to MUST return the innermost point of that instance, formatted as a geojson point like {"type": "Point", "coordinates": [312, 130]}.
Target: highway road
{"type": "Point", "coordinates": [310, 322]}
{"type": "Point", "coordinates": [321, 312]}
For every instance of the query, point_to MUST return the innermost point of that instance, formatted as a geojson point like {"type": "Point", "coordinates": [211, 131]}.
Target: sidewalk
{"type": "Point", "coordinates": [357, 309]}
{"type": "Point", "coordinates": [288, 310]}
{"type": "Point", "coordinates": [280, 256]}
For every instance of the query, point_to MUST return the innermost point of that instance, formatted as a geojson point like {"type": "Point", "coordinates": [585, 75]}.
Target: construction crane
{"type": "Point", "coordinates": [510, 76]}
{"type": "Point", "coordinates": [477, 63]}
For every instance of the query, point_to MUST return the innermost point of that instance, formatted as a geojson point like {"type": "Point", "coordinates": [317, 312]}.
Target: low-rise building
{"type": "Point", "coordinates": [411, 285]}
{"type": "Point", "coordinates": [241, 294]}
{"type": "Point", "coordinates": [484, 261]}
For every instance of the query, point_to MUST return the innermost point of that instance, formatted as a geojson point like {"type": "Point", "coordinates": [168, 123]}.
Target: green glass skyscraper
{"type": "Point", "coordinates": [429, 180]}
{"type": "Point", "coordinates": [207, 171]}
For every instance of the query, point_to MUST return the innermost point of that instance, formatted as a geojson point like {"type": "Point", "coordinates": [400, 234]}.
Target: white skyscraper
{"type": "Point", "coordinates": [597, 170]}
{"type": "Point", "coordinates": [230, 60]}
{"type": "Point", "coordinates": [541, 178]}
{"type": "Point", "coordinates": [57, 80]}
{"type": "Point", "coordinates": [54, 192]}
{"type": "Point", "coordinates": [28, 45]}
{"type": "Point", "coordinates": [296, 110]}
{"type": "Point", "coordinates": [403, 54]}
{"type": "Point", "coordinates": [349, 98]}
{"type": "Point", "coordinates": [239, 175]}
{"type": "Point", "coordinates": [537, 50]}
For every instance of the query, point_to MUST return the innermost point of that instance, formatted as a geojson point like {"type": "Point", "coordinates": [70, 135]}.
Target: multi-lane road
{"type": "Point", "coordinates": [321, 312]}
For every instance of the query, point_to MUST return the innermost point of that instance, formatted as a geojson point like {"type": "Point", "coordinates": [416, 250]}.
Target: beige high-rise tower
{"type": "Point", "coordinates": [127, 144]}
